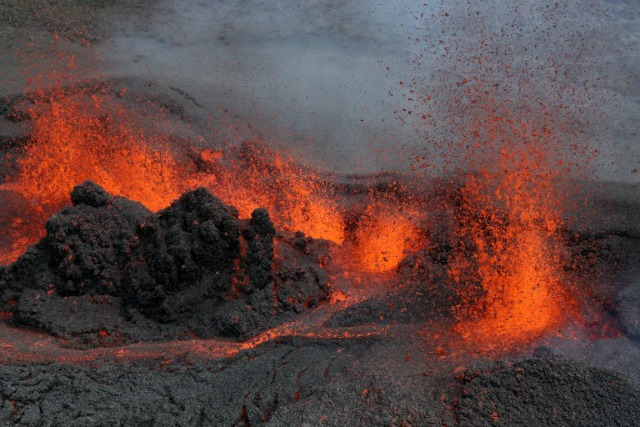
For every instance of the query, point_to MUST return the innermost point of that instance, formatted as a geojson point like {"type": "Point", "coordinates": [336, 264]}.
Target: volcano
{"type": "Point", "coordinates": [171, 260]}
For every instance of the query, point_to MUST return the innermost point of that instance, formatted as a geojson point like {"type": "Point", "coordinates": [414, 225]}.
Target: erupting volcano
{"type": "Point", "coordinates": [181, 256]}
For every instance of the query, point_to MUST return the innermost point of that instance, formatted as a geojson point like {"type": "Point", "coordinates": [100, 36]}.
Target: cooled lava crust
{"type": "Point", "coordinates": [109, 267]}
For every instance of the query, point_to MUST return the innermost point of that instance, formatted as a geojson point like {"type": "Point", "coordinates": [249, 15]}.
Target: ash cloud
{"type": "Point", "coordinates": [323, 78]}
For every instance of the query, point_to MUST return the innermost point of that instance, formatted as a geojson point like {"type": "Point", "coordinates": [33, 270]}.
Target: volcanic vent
{"type": "Point", "coordinates": [166, 263]}
{"type": "Point", "coordinates": [193, 266]}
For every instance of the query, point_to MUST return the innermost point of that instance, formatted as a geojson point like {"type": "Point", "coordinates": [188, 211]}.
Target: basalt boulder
{"type": "Point", "coordinates": [185, 256]}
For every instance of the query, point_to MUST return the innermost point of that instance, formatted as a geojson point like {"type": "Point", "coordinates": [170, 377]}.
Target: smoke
{"type": "Point", "coordinates": [332, 82]}
{"type": "Point", "coordinates": [311, 70]}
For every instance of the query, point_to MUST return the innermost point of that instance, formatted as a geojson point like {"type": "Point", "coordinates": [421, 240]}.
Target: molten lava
{"type": "Point", "coordinates": [84, 134]}
{"type": "Point", "coordinates": [88, 133]}
{"type": "Point", "coordinates": [256, 177]}
{"type": "Point", "coordinates": [506, 265]}
{"type": "Point", "coordinates": [508, 221]}
{"type": "Point", "coordinates": [76, 138]}
{"type": "Point", "coordinates": [384, 236]}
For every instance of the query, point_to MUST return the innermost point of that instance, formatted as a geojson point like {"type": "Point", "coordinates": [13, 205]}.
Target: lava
{"type": "Point", "coordinates": [509, 218]}
{"type": "Point", "coordinates": [75, 139]}
{"type": "Point", "coordinates": [384, 236]}
{"type": "Point", "coordinates": [86, 132]}
{"type": "Point", "coordinates": [83, 134]}
{"type": "Point", "coordinates": [508, 214]}
{"type": "Point", "coordinates": [255, 176]}
{"type": "Point", "coordinates": [507, 257]}
{"type": "Point", "coordinates": [21, 346]}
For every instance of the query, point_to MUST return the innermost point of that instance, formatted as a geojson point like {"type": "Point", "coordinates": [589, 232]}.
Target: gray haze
{"type": "Point", "coordinates": [323, 77]}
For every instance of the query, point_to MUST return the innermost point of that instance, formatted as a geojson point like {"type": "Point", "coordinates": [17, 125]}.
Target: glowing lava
{"type": "Point", "coordinates": [508, 221]}
{"type": "Point", "coordinates": [87, 134]}
{"type": "Point", "coordinates": [83, 134]}
{"type": "Point", "coordinates": [255, 176]}
{"type": "Point", "coordinates": [384, 236]}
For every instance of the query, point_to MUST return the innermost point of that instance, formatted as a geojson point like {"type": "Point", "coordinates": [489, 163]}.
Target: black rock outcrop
{"type": "Point", "coordinates": [193, 266]}
{"type": "Point", "coordinates": [86, 247]}
{"type": "Point", "coordinates": [185, 255]}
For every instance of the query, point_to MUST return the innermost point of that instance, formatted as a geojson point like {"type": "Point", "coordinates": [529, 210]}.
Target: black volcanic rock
{"type": "Point", "coordinates": [313, 382]}
{"type": "Point", "coordinates": [86, 246]}
{"type": "Point", "coordinates": [87, 316]}
{"type": "Point", "coordinates": [546, 391]}
{"type": "Point", "coordinates": [90, 194]}
{"type": "Point", "coordinates": [297, 282]}
{"type": "Point", "coordinates": [164, 274]}
{"type": "Point", "coordinates": [259, 261]}
{"type": "Point", "coordinates": [300, 281]}
{"type": "Point", "coordinates": [186, 255]}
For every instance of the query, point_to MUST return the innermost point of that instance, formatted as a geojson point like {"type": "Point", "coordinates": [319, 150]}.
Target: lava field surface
{"type": "Point", "coordinates": [370, 349]}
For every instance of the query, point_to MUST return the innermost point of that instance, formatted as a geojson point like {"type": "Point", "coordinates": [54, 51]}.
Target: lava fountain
{"type": "Point", "coordinates": [386, 233]}
{"type": "Point", "coordinates": [509, 264]}
{"type": "Point", "coordinates": [79, 134]}
{"type": "Point", "coordinates": [88, 132]}
{"type": "Point", "coordinates": [506, 262]}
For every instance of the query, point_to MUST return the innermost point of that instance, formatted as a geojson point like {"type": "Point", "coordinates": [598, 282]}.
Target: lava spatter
{"type": "Point", "coordinates": [509, 264]}
{"type": "Point", "coordinates": [385, 234]}
{"type": "Point", "coordinates": [83, 133]}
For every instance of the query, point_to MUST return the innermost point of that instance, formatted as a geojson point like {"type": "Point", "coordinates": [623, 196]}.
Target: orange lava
{"type": "Point", "coordinates": [509, 218]}
{"type": "Point", "coordinates": [385, 235]}
{"type": "Point", "coordinates": [23, 346]}
{"type": "Point", "coordinates": [80, 135]}
{"type": "Point", "coordinates": [77, 137]}
{"type": "Point", "coordinates": [508, 215]}
{"type": "Point", "coordinates": [296, 197]}
{"type": "Point", "coordinates": [89, 133]}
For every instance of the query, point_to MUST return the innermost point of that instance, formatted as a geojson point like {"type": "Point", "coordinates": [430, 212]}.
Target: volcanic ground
{"type": "Point", "coordinates": [120, 315]}
{"type": "Point", "coordinates": [222, 284]}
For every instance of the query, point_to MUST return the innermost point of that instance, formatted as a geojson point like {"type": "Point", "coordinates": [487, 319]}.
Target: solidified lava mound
{"type": "Point", "coordinates": [85, 249]}
{"type": "Point", "coordinates": [185, 255]}
{"type": "Point", "coordinates": [109, 266]}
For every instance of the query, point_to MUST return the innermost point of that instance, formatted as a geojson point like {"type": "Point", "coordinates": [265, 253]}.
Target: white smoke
{"type": "Point", "coordinates": [323, 77]}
